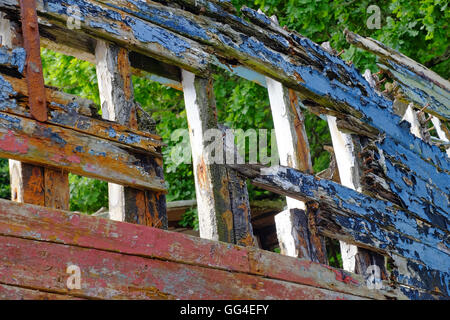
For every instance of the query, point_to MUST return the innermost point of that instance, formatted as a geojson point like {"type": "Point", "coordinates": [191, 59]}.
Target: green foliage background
{"type": "Point", "coordinates": [417, 28]}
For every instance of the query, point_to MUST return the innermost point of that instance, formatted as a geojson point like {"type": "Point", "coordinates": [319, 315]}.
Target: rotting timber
{"type": "Point", "coordinates": [401, 211]}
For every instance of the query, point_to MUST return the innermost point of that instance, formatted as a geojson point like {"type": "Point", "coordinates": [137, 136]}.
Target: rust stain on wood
{"type": "Point", "coordinates": [34, 74]}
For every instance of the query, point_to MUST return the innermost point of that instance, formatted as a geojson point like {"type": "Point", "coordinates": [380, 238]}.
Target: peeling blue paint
{"type": "Point", "coordinates": [148, 34]}
{"type": "Point", "coordinates": [262, 18]}
{"type": "Point", "coordinates": [6, 92]}
{"type": "Point", "coordinates": [164, 18]}
{"type": "Point", "coordinates": [13, 58]}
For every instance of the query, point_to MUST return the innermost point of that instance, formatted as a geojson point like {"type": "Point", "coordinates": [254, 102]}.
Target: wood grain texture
{"type": "Point", "coordinates": [101, 235]}
{"type": "Point", "coordinates": [8, 292]}
{"type": "Point", "coordinates": [211, 179]}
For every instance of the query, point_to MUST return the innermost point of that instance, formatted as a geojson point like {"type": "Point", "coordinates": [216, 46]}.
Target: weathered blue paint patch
{"type": "Point", "coordinates": [79, 149]}
{"type": "Point", "coordinates": [132, 138]}
{"type": "Point", "coordinates": [148, 34]}
{"type": "Point", "coordinates": [164, 18]}
{"type": "Point", "coordinates": [13, 58]}
{"type": "Point", "coordinates": [422, 276]}
{"type": "Point", "coordinates": [50, 134]}
{"type": "Point", "coordinates": [10, 122]}
{"type": "Point", "coordinates": [97, 153]}
{"type": "Point", "coordinates": [111, 132]}
{"type": "Point", "coordinates": [260, 17]}
{"type": "Point", "coordinates": [6, 94]}
{"type": "Point", "coordinates": [111, 28]}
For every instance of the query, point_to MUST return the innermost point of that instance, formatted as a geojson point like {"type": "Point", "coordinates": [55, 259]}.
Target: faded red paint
{"type": "Point", "coordinates": [125, 239]}
{"type": "Point", "coordinates": [74, 159]}
{"type": "Point", "coordinates": [11, 143]}
{"type": "Point", "coordinates": [340, 276]}
{"type": "Point", "coordinates": [108, 275]}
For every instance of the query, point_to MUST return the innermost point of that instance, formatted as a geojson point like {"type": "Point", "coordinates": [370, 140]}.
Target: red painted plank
{"type": "Point", "coordinates": [18, 293]}
{"type": "Point", "coordinates": [108, 275]}
{"type": "Point", "coordinates": [45, 224]}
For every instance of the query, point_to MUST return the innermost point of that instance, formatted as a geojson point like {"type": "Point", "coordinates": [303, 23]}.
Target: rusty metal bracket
{"type": "Point", "coordinates": [34, 74]}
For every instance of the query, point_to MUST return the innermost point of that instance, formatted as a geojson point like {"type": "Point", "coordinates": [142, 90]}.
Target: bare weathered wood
{"type": "Point", "coordinates": [27, 183]}
{"type": "Point", "coordinates": [56, 189]}
{"type": "Point", "coordinates": [240, 207]}
{"type": "Point", "coordinates": [117, 99]}
{"type": "Point", "coordinates": [103, 236]}
{"type": "Point", "coordinates": [211, 180]}
{"type": "Point", "coordinates": [293, 150]}
{"type": "Point", "coordinates": [237, 186]}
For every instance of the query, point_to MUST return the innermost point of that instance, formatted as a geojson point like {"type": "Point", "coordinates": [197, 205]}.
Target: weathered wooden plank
{"type": "Point", "coordinates": [422, 85]}
{"type": "Point", "coordinates": [107, 275]}
{"type": "Point", "coordinates": [27, 140]}
{"type": "Point", "coordinates": [237, 186]}
{"type": "Point", "coordinates": [394, 225]}
{"type": "Point", "coordinates": [74, 113]}
{"type": "Point", "coordinates": [240, 207]}
{"type": "Point", "coordinates": [56, 189]}
{"type": "Point", "coordinates": [8, 292]}
{"type": "Point", "coordinates": [108, 23]}
{"type": "Point", "coordinates": [107, 235]}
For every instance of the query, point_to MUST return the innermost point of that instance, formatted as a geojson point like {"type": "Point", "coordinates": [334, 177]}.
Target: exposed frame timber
{"type": "Point", "coordinates": [117, 99]}
{"type": "Point", "coordinates": [216, 189]}
{"type": "Point", "coordinates": [296, 230]}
